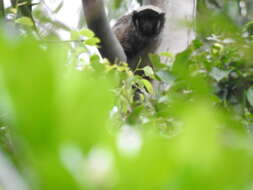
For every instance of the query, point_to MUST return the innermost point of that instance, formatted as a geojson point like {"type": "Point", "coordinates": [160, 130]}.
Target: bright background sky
{"type": "Point", "coordinates": [69, 14]}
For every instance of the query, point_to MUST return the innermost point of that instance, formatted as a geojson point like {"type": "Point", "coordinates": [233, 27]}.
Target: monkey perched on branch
{"type": "Point", "coordinates": [135, 34]}
{"type": "Point", "coordinates": [132, 38]}
{"type": "Point", "coordinates": [138, 32]}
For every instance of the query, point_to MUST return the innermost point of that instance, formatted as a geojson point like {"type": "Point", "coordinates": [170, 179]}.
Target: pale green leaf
{"type": "Point", "coordinates": [165, 76]}
{"type": "Point", "coordinates": [75, 35]}
{"type": "Point", "coordinates": [219, 74]}
{"type": "Point", "coordinates": [25, 21]}
{"type": "Point", "coordinates": [250, 95]}
{"type": "Point", "coordinates": [87, 33]}
{"type": "Point", "coordinates": [148, 86]}
{"type": "Point", "coordinates": [92, 41]}
{"type": "Point", "coordinates": [148, 71]}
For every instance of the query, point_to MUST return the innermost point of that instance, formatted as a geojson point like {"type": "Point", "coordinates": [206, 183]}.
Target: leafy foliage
{"type": "Point", "coordinates": [70, 121]}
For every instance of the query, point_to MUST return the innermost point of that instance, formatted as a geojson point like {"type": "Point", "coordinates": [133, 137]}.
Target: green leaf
{"type": "Point", "coordinates": [135, 115]}
{"type": "Point", "coordinates": [94, 59]}
{"type": "Point", "coordinates": [165, 76]}
{"type": "Point", "coordinates": [75, 35]}
{"type": "Point", "coordinates": [217, 48]}
{"type": "Point", "coordinates": [24, 21]}
{"type": "Point", "coordinates": [148, 86]}
{"type": "Point", "coordinates": [87, 33]}
{"type": "Point", "coordinates": [81, 50]}
{"type": "Point", "coordinates": [117, 4]}
{"type": "Point", "coordinates": [13, 10]}
{"type": "Point", "coordinates": [180, 66]}
{"type": "Point", "coordinates": [92, 41]}
{"type": "Point", "coordinates": [168, 55]}
{"type": "Point", "coordinates": [95, 63]}
{"type": "Point", "coordinates": [156, 62]}
{"type": "Point", "coordinates": [218, 74]}
{"type": "Point", "coordinates": [250, 95]}
{"type": "Point", "coordinates": [148, 71]}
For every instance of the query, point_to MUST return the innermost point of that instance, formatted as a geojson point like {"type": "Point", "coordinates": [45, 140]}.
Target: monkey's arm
{"type": "Point", "coordinates": [97, 21]}
{"type": "Point", "coordinates": [124, 32]}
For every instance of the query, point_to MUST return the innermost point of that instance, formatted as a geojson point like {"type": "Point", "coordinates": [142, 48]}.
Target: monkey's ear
{"type": "Point", "coordinates": [135, 13]}
{"type": "Point", "coordinates": [162, 15]}
{"type": "Point", "coordinates": [160, 23]}
{"type": "Point", "coordinates": [162, 19]}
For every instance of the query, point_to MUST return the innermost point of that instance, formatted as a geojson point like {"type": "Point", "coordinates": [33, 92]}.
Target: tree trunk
{"type": "Point", "coordinates": [96, 20]}
{"type": "Point", "coordinates": [177, 33]}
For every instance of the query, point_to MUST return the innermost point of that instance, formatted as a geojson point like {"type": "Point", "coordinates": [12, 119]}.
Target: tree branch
{"type": "Point", "coordinates": [97, 21]}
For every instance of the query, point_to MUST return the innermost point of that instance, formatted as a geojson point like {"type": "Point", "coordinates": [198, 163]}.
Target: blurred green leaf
{"type": "Point", "coordinates": [250, 95]}
{"type": "Point", "coordinates": [117, 4]}
{"type": "Point", "coordinates": [72, 117]}
{"type": "Point", "coordinates": [148, 86]}
{"type": "Point", "coordinates": [92, 41]}
{"type": "Point", "coordinates": [166, 77]}
{"type": "Point", "coordinates": [88, 33]}
{"type": "Point", "coordinates": [75, 35]}
{"type": "Point", "coordinates": [26, 21]}
{"type": "Point", "coordinates": [148, 71]}
{"type": "Point", "coordinates": [218, 74]}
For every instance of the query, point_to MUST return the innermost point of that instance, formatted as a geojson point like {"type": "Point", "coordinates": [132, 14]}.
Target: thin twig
{"type": "Point", "coordinates": [61, 41]}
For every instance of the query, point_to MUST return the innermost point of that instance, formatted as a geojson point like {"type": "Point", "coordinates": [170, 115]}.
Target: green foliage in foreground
{"type": "Point", "coordinates": [76, 129]}
{"type": "Point", "coordinates": [68, 119]}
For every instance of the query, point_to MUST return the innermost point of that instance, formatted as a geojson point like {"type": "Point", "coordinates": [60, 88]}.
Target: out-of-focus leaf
{"type": "Point", "coordinates": [219, 74]}
{"type": "Point", "coordinates": [135, 115]}
{"type": "Point", "coordinates": [92, 41]}
{"type": "Point", "coordinates": [250, 95]}
{"type": "Point", "coordinates": [165, 76]}
{"type": "Point", "coordinates": [13, 10]}
{"type": "Point", "coordinates": [148, 71]}
{"type": "Point", "coordinates": [156, 62]}
{"type": "Point", "coordinates": [24, 21]}
{"type": "Point", "coordinates": [117, 3]}
{"type": "Point", "coordinates": [88, 33]}
{"type": "Point", "coordinates": [169, 55]}
{"type": "Point", "coordinates": [147, 85]}
{"type": "Point", "coordinates": [75, 35]}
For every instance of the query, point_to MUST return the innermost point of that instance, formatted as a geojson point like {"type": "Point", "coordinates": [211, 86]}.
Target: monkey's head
{"type": "Point", "coordinates": [149, 20]}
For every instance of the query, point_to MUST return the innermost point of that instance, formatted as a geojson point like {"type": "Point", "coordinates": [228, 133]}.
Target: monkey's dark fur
{"type": "Point", "coordinates": [138, 31]}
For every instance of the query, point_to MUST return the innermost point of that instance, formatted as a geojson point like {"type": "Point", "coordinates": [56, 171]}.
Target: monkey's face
{"type": "Point", "coordinates": [149, 23]}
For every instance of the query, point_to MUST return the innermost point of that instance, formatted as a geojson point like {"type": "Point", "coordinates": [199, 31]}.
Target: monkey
{"type": "Point", "coordinates": [137, 32]}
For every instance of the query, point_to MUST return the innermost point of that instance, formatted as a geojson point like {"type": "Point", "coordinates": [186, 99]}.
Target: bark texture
{"type": "Point", "coordinates": [177, 33]}
{"type": "Point", "coordinates": [97, 21]}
